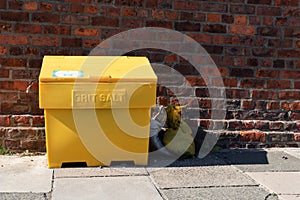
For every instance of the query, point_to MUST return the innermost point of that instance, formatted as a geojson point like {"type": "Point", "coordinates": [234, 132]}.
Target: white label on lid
{"type": "Point", "coordinates": [67, 73]}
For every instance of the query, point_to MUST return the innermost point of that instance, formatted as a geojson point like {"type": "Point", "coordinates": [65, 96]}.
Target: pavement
{"type": "Point", "coordinates": [243, 174]}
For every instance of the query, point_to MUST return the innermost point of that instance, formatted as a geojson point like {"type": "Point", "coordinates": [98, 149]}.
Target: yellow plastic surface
{"type": "Point", "coordinates": [104, 84]}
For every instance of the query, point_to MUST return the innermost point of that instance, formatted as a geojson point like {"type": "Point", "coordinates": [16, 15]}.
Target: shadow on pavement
{"type": "Point", "coordinates": [216, 158]}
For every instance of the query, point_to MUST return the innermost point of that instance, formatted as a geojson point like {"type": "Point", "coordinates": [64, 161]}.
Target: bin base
{"type": "Point", "coordinates": [65, 146]}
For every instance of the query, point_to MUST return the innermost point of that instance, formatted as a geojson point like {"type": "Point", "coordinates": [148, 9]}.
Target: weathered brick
{"type": "Point", "coordinates": [86, 31]}
{"type": "Point", "coordinates": [13, 62]}
{"type": "Point", "coordinates": [137, 3]}
{"type": "Point", "coordinates": [247, 104]}
{"type": "Point", "coordinates": [262, 125]}
{"type": "Point", "coordinates": [171, 58]}
{"type": "Point", "coordinates": [234, 125]}
{"type": "Point", "coordinates": [195, 81]}
{"type": "Point", "coordinates": [294, 105]}
{"type": "Point", "coordinates": [44, 41]}
{"type": "Point", "coordinates": [15, 5]}
{"type": "Point", "coordinates": [12, 144]}
{"type": "Point", "coordinates": [288, 53]}
{"type": "Point", "coordinates": [254, 20]}
{"type": "Point", "coordinates": [35, 63]}
{"type": "Point", "coordinates": [280, 137]}
{"type": "Point", "coordinates": [212, 49]}
{"type": "Point", "coordinates": [281, 84]}
{"type": "Point", "coordinates": [105, 21]}
{"type": "Point", "coordinates": [46, 7]}
{"type": "Point", "coordinates": [213, 7]}
{"type": "Point", "coordinates": [297, 84]}
{"type": "Point", "coordinates": [2, 4]}
{"type": "Point", "coordinates": [30, 5]}
{"type": "Point", "coordinates": [213, 17]}
{"type": "Point", "coordinates": [57, 30]}
{"type": "Point", "coordinates": [14, 16]}
{"type": "Point", "coordinates": [248, 125]}
{"type": "Point", "coordinates": [263, 73]}
{"type": "Point", "coordinates": [293, 12]}
{"type": "Point", "coordinates": [235, 51]}
{"type": "Point", "coordinates": [187, 26]}
{"type": "Point", "coordinates": [241, 72]}
{"type": "Point", "coordinates": [291, 74]}
{"type": "Point", "coordinates": [4, 73]}
{"type": "Point", "coordinates": [237, 94]}
{"type": "Point", "coordinates": [295, 115]}
{"type": "Point", "coordinates": [170, 15]}
{"type": "Point", "coordinates": [239, 61]}
{"type": "Point", "coordinates": [79, 20]}
{"type": "Point", "coordinates": [228, 19]}
{"type": "Point", "coordinates": [25, 74]}
{"type": "Point", "coordinates": [267, 2]}
{"type": "Point", "coordinates": [3, 50]}
{"type": "Point", "coordinates": [260, 105]}
{"type": "Point", "coordinates": [269, 11]}
{"type": "Point", "coordinates": [129, 12]}
{"type": "Point", "coordinates": [268, 31]}
{"type": "Point", "coordinates": [201, 38]}
{"type": "Point", "coordinates": [286, 3]}
{"type": "Point", "coordinates": [71, 42]}
{"type": "Point", "coordinates": [241, 19]}
{"type": "Point", "coordinates": [45, 17]}
{"type": "Point", "coordinates": [200, 17]}
{"type": "Point", "coordinates": [110, 11]}
{"type": "Point", "coordinates": [5, 120]}
{"type": "Point", "coordinates": [268, 21]}
{"type": "Point", "coordinates": [13, 40]}
{"type": "Point", "coordinates": [281, 21]}
{"type": "Point", "coordinates": [252, 83]}
{"type": "Point", "coordinates": [280, 43]}
{"type": "Point", "coordinates": [273, 105]}
{"type": "Point", "coordinates": [28, 28]}
{"type": "Point", "coordinates": [263, 52]}
{"type": "Point", "coordinates": [253, 136]}
{"type": "Point", "coordinates": [242, 9]}
{"type": "Point", "coordinates": [244, 30]}
{"type": "Point", "coordinates": [186, 16]}
{"type": "Point", "coordinates": [289, 95]}
{"type": "Point", "coordinates": [77, 8]}
{"type": "Point", "coordinates": [215, 28]}
{"type": "Point", "coordinates": [91, 9]}
{"type": "Point", "coordinates": [131, 23]}
{"type": "Point", "coordinates": [185, 5]}
{"type": "Point", "coordinates": [294, 33]}
{"type": "Point", "coordinates": [21, 120]}
{"type": "Point", "coordinates": [252, 62]}
{"type": "Point", "coordinates": [15, 51]}
{"type": "Point", "coordinates": [263, 94]}
{"type": "Point", "coordinates": [62, 8]}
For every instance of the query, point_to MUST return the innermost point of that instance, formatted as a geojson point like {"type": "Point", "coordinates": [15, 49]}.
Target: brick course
{"type": "Point", "coordinates": [254, 43]}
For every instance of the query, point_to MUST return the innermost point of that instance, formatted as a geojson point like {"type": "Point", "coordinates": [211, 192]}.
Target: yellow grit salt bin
{"type": "Point", "coordinates": [97, 109]}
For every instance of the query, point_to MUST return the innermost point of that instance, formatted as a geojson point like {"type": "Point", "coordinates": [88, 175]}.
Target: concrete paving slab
{"type": "Point", "coordinates": [24, 196]}
{"type": "Point", "coordinates": [260, 160]}
{"type": "Point", "coordinates": [293, 151]}
{"type": "Point", "coordinates": [279, 182]}
{"type": "Point", "coordinates": [289, 197]}
{"type": "Point", "coordinates": [98, 172]}
{"type": "Point", "coordinates": [25, 174]}
{"type": "Point", "coordinates": [209, 160]}
{"type": "Point", "coordinates": [105, 188]}
{"type": "Point", "coordinates": [220, 193]}
{"type": "Point", "coordinates": [184, 177]}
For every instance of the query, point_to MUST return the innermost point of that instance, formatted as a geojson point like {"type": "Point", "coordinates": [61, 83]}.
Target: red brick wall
{"type": "Point", "coordinates": [254, 43]}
